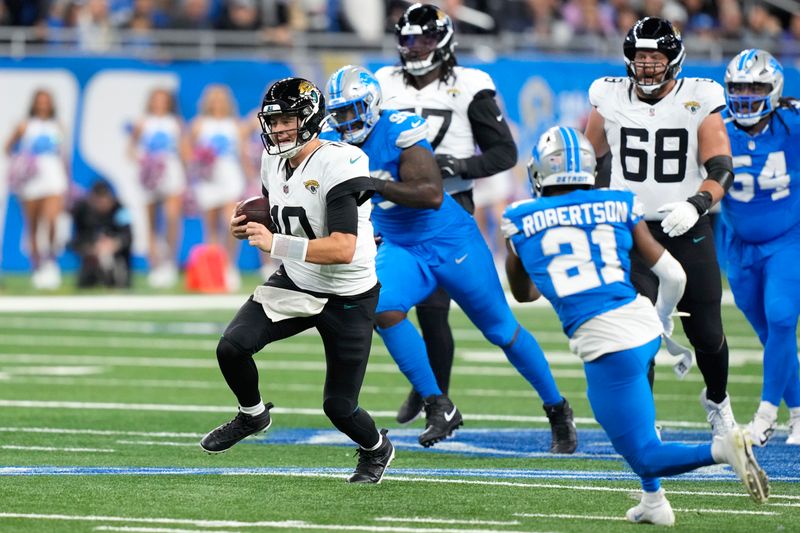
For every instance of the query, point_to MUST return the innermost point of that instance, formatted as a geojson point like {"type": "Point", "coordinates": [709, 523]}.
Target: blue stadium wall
{"type": "Point", "coordinates": [98, 99]}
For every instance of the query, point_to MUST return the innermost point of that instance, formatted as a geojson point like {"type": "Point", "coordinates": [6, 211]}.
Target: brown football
{"type": "Point", "coordinates": [256, 209]}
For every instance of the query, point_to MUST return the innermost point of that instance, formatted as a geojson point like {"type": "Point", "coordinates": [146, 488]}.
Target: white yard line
{"type": "Point", "coordinates": [726, 511]}
{"type": "Point", "coordinates": [158, 443]}
{"type": "Point", "coordinates": [182, 302]}
{"type": "Point", "coordinates": [451, 521]}
{"type": "Point", "coordinates": [116, 406]}
{"type": "Point", "coordinates": [101, 432]}
{"type": "Point", "coordinates": [159, 530]}
{"type": "Point", "coordinates": [53, 449]}
{"type": "Point", "coordinates": [302, 366]}
{"type": "Point", "coordinates": [286, 524]}
{"type": "Point", "coordinates": [569, 516]}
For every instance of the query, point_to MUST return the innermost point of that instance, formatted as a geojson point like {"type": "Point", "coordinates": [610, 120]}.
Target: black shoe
{"type": "Point", "coordinates": [372, 464]}
{"type": "Point", "coordinates": [411, 408]}
{"type": "Point", "coordinates": [240, 427]}
{"type": "Point", "coordinates": [441, 419]}
{"type": "Point", "coordinates": [562, 427]}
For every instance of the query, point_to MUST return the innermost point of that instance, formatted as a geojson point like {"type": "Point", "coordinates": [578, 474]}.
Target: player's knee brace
{"type": "Point", "coordinates": [338, 408]}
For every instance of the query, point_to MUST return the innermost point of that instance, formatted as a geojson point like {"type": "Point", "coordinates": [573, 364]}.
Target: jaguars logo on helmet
{"type": "Point", "coordinates": [297, 98]}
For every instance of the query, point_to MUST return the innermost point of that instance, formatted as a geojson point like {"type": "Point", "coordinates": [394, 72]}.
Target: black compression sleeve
{"type": "Point", "coordinates": [720, 169]}
{"type": "Point", "coordinates": [493, 137]}
{"type": "Point", "coordinates": [343, 214]}
{"type": "Point", "coordinates": [603, 177]}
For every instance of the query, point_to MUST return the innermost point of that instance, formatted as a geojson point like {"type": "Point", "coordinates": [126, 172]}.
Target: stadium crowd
{"type": "Point", "coordinates": [97, 22]}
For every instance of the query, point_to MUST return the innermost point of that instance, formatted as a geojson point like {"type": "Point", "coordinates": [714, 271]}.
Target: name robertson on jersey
{"type": "Point", "coordinates": [609, 211]}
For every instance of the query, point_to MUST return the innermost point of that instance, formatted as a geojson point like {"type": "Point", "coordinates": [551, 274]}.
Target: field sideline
{"type": "Point", "coordinates": [102, 406]}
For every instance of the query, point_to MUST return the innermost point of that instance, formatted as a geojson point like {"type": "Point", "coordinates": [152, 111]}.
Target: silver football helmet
{"type": "Point", "coordinates": [563, 156]}
{"type": "Point", "coordinates": [753, 86]}
{"type": "Point", "coordinates": [354, 102]}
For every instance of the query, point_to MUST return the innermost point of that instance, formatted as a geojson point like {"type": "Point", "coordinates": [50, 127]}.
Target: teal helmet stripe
{"type": "Point", "coordinates": [576, 149]}
{"type": "Point", "coordinates": [567, 147]}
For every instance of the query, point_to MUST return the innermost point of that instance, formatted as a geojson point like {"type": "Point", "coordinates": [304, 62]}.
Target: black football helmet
{"type": "Point", "coordinates": [424, 38]}
{"type": "Point", "coordinates": [648, 34]}
{"type": "Point", "coordinates": [295, 97]}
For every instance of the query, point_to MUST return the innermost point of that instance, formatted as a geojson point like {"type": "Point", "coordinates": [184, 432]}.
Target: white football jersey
{"type": "Point", "coordinates": [654, 147]}
{"type": "Point", "coordinates": [298, 206]}
{"type": "Point", "coordinates": [444, 106]}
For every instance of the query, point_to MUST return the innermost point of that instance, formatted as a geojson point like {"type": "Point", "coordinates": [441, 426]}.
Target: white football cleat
{"type": "Point", "coordinates": [654, 508]}
{"type": "Point", "coordinates": [762, 427]}
{"type": "Point", "coordinates": [735, 449]}
{"type": "Point", "coordinates": [719, 415]}
{"type": "Point", "coordinates": [794, 431]}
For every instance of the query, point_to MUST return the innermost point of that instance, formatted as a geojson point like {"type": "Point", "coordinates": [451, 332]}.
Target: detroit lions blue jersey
{"type": "Point", "coordinates": [394, 132]}
{"type": "Point", "coordinates": [575, 247]}
{"type": "Point", "coordinates": [764, 201]}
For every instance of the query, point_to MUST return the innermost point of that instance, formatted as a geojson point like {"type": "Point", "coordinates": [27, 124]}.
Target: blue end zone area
{"type": "Point", "coordinates": [779, 460]}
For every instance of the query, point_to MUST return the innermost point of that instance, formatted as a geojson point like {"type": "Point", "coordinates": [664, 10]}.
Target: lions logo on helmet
{"type": "Point", "coordinates": [354, 102]}
{"type": "Point", "coordinates": [563, 156]}
{"type": "Point", "coordinates": [753, 86]}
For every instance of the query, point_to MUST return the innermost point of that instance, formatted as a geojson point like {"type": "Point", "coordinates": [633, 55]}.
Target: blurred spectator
{"type": "Point", "coordinates": [158, 146]}
{"type": "Point", "coordinates": [38, 176]}
{"type": "Point", "coordinates": [95, 31]}
{"type": "Point", "coordinates": [25, 12]}
{"type": "Point", "coordinates": [730, 20]}
{"type": "Point", "coordinates": [588, 17]}
{"type": "Point", "coordinates": [102, 239]}
{"type": "Point", "coordinates": [763, 29]}
{"type": "Point", "coordinates": [790, 44]}
{"type": "Point", "coordinates": [219, 182]}
{"type": "Point", "coordinates": [626, 18]}
{"type": "Point", "coordinates": [191, 15]}
{"type": "Point", "coordinates": [240, 15]}
{"type": "Point", "coordinates": [668, 9]}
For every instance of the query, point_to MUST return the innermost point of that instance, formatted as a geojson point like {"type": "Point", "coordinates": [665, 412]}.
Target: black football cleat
{"type": "Point", "coordinates": [226, 435]}
{"type": "Point", "coordinates": [441, 419]}
{"type": "Point", "coordinates": [373, 463]}
{"type": "Point", "coordinates": [562, 427]}
{"type": "Point", "coordinates": [411, 408]}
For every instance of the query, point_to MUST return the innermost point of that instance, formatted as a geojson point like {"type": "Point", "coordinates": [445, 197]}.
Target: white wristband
{"type": "Point", "coordinates": [289, 247]}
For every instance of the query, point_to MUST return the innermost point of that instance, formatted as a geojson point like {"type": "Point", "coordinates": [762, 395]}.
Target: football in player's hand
{"type": "Point", "coordinates": [255, 209]}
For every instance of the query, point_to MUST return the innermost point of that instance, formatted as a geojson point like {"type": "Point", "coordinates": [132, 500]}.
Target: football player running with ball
{"type": "Point", "coordinates": [321, 231]}
{"type": "Point", "coordinates": [459, 105]}
{"type": "Point", "coordinates": [667, 143]}
{"type": "Point", "coordinates": [761, 230]}
{"type": "Point", "coordinates": [429, 241]}
{"type": "Point", "coordinates": [572, 244]}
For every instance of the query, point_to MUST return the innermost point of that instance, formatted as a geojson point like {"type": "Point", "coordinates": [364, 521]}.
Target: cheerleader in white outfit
{"type": "Point", "coordinates": [157, 144]}
{"type": "Point", "coordinates": [38, 176]}
{"type": "Point", "coordinates": [218, 144]}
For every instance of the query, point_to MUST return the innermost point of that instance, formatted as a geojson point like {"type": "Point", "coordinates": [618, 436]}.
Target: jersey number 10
{"type": "Point", "coordinates": [576, 272]}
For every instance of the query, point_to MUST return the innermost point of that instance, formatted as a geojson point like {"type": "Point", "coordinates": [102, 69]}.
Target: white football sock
{"type": "Point", "coordinates": [255, 410]}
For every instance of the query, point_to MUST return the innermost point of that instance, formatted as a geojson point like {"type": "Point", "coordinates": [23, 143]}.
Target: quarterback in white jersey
{"type": "Point", "coordinates": [667, 143]}
{"type": "Point", "coordinates": [459, 106]}
{"type": "Point", "coordinates": [321, 231]}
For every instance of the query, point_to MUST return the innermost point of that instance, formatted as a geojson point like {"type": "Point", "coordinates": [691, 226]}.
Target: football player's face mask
{"type": "Point", "coordinates": [650, 69]}
{"type": "Point", "coordinates": [417, 50]}
{"type": "Point", "coordinates": [281, 129]}
{"type": "Point", "coordinates": [753, 86]}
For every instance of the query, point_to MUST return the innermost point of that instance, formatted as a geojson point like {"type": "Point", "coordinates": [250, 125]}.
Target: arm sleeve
{"type": "Point", "coordinates": [493, 137]}
{"type": "Point", "coordinates": [343, 214]}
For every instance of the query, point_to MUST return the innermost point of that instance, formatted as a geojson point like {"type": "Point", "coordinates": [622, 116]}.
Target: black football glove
{"type": "Point", "coordinates": [451, 166]}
